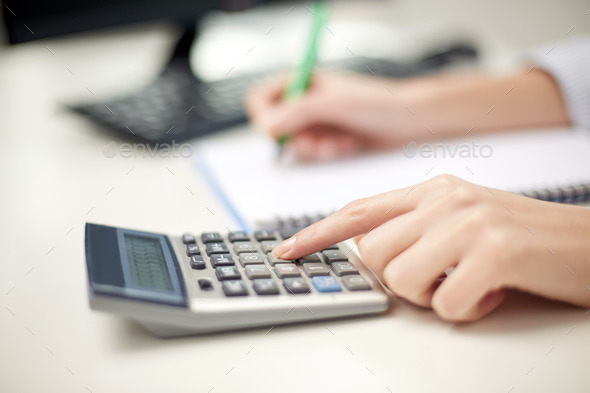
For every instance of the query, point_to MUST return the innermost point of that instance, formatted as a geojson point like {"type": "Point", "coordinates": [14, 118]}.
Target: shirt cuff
{"type": "Point", "coordinates": [568, 62]}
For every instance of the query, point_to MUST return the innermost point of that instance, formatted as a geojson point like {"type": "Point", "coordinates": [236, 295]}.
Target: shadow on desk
{"type": "Point", "coordinates": [520, 313]}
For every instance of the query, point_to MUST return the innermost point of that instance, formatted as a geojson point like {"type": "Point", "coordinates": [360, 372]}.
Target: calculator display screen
{"type": "Point", "coordinates": [147, 263]}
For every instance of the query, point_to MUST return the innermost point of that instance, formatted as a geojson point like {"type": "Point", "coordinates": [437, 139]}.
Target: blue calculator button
{"type": "Point", "coordinates": [325, 284]}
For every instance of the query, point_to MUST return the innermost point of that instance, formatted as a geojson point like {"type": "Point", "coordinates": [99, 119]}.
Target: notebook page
{"type": "Point", "coordinates": [243, 169]}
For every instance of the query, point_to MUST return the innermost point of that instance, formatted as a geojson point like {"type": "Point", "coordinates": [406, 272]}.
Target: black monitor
{"type": "Point", "coordinates": [37, 19]}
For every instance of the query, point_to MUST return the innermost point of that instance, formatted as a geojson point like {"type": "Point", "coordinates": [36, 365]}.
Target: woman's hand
{"type": "Point", "coordinates": [493, 239]}
{"type": "Point", "coordinates": [344, 114]}
{"type": "Point", "coordinates": [338, 116]}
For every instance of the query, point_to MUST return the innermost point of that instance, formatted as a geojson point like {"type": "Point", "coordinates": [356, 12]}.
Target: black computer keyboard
{"type": "Point", "coordinates": [178, 106]}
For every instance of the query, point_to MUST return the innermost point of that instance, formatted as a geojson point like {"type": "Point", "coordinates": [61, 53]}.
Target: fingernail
{"type": "Point", "coordinates": [282, 249]}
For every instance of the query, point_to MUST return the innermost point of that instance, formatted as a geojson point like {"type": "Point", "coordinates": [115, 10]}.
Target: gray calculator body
{"type": "Point", "coordinates": [174, 285]}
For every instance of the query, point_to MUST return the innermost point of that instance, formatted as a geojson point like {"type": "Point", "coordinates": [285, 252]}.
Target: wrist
{"type": "Point", "coordinates": [458, 105]}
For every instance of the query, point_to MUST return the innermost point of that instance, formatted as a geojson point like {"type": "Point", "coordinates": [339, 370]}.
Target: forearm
{"type": "Point", "coordinates": [457, 105]}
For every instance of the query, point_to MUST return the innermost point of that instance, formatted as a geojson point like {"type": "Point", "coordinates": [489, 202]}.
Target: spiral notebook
{"type": "Point", "coordinates": [242, 169]}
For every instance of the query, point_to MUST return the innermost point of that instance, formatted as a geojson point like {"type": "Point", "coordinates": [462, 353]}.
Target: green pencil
{"type": "Point", "coordinates": [301, 76]}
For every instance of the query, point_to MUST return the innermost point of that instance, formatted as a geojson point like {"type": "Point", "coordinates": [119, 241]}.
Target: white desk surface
{"type": "Point", "coordinates": [55, 177]}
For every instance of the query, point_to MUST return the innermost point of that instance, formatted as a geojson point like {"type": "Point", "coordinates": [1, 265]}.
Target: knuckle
{"type": "Point", "coordinates": [445, 181]}
{"type": "Point", "coordinates": [478, 218]}
{"type": "Point", "coordinates": [464, 195]}
{"type": "Point", "coordinates": [498, 252]}
{"type": "Point", "coordinates": [494, 239]}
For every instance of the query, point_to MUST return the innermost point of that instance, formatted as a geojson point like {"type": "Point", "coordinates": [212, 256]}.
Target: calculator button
{"type": "Point", "coordinates": [316, 269]}
{"type": "Point", "coordinates": [192, 249]}
{"type": "Point", "coordinates": [265, 286]}
{"type": "Point", "coordinates": [197, 262]}
{"type": "Point", "coordinates": [310, 258]}
{"type": "Point", "coordinates": [188, 238]}
{"type": "Point", "coordinates": [234, 288]}
{"type": "Point", "coordinates": [264, 235]}
{"type": "Point", "coordinates": [238, 236]}
{"type": "Point", "coordinates": [227, 273]}
{"type": "Point", "coordinates": [205, 284]}
{"type": "Point", "coordinates": [216, 248]}
{"type": "Point", "coordinates": [250, 258]}
{"type": "Point", "coordinates": [241, 247]}
{"type": "Point", "coordinates": [296, 285]}
{"type": "Point", "coordinates": [326, 284]}
{"type": "Point", "coordinates": [287, 233]}
{"type": "Point", "coordinates": [334, 256]}
{"type": "Point", "coordinates": [287, 270]}
{"type": "Point", "coordinates": [344, 268]}
{"type": "Point", "coordinates": [268, 245]}
{"type": "Point", "coordinates": [257, 271]}
{"type": "Point", "coordinates": [222, 260]}
{"type": "Point", "coordinates": [211, 237]}
{"type": "Point", "coordinates": [273, 260]}
{"type": "Point", "coordinates": [356, 283]}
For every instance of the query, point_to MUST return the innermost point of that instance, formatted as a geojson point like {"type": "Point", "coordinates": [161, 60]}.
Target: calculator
{"type": "Point", "coordinates": [212, 282]}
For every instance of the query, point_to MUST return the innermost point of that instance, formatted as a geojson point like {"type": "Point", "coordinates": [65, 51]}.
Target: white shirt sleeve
{"type": "Point", "coordinates": [568, 61]}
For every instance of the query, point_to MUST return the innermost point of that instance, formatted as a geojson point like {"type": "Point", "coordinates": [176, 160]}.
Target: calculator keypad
{"type": "Point", "coordinates": [243, 265]}
{"type": "Point", "coordinates": [265, 286]}
{"type": "Point", "coordinates": [227, 273]}
{"type": "Point", "coordinates": [257, 271]}
{"type": "Point", "coordinates": [264, 235]}
{"type": "Point", "coordinates": [216, 248]}
{"type": "Point", "coordinates": [344, 268]}
{"type": "Point", "coordinates": [316, 269]}
{"type": "Point", "coordinates": [234, 288]}
{"type": "Point", "coordinates": [221, 260]}
{"type": "Point", "coordinates": [238, 236]}
{"type": "Point", "coordinates": [356, 283]}
{"type": "Point", "coordinates": [192, 249]}
{"type": "Point", "coordinates": [250, 258]}
{"type": "Point", "coordinates": [211, 237]}
{"type": "Point", "coordinates": [310, 258]}
{"type": "Point", "coordinates": [273, 261]}
{"type": "Point", "coordinates": [188, 238]}
{"type": "Point", "coordinates": [326, 284]}
{"type": "Point", "coordinates": [334, 256]}
{"type": "Point", "coordinates": [243, 247]}
{"type": "Point", "coordinates": [283, 270]}
{"type": "Point", "coordinates": [268, 245]}
{"type": "Point", "coordinates": [205, 284]}
{"type": "Point", "coordinates": [296, 285]}
{"type": "Point", "coordinates": [197, 262]}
